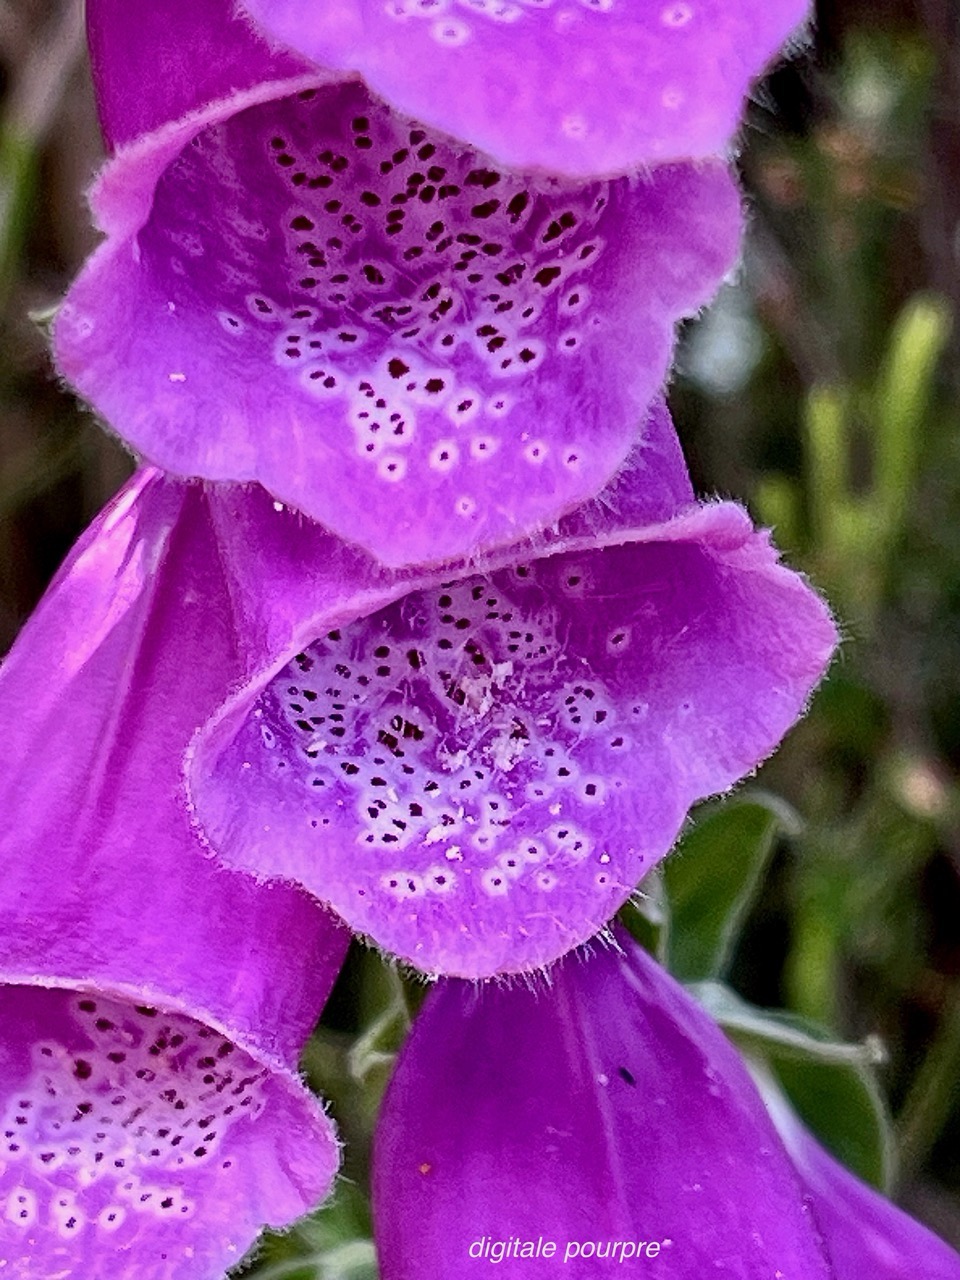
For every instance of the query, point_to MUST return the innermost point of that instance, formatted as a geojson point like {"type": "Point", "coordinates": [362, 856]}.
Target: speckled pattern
{"type": "Point", "coordinates": [580, 87]}
{"type": "Point", "coordinates": [423, 352]}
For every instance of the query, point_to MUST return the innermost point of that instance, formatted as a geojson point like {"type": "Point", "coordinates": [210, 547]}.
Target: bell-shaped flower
{"type": "Point", "coordinates": [476, 767]}
{"type": "Point", "coordinates": [596, 1125]}
{"type": "Point", "coordinates": [424, 351]}
{"type": "Point", "coordinates": [864, 1234]}
{"type": "Point", "coordinates": [152, 1005]}
{"type": "Point", "coordinates": [579, 87]}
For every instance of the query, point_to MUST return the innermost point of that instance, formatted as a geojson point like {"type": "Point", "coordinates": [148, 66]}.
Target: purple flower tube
{"type": "Point", "coordinates": [601, 1126]}
{"type": "Point", "coordinates": [177, 59]}
{"type": "Point", "coordinates": [152, 1005]}
{"type": "Point", "coordinates": [475, 767]}
{"type": "Point", "coordinates": [579, 87]}
{"type": "Point", "coordinates": [427, 353]}
{"type": "Point", "coordinates": [864, 1234]}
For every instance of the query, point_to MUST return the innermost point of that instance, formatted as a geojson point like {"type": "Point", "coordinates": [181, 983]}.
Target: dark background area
{"type": "Point", "coordinates": [823, 389]}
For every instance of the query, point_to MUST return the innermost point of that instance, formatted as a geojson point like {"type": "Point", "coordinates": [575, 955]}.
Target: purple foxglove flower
{"type": "Point", "coordinates": [864, 1234]}
{"type": "Point", "coordinates": [602, 1124]}
{"type": "Point", "coordinates": [424, 352]}
{"type": "Point", "coordinates": [178, 58]}
{"type": "Point", "coordinates": [476, 768]}
{"type": "Point", "coordinates": [581, 87]}
{"type": "Point", "coordinates": [152, 1005]}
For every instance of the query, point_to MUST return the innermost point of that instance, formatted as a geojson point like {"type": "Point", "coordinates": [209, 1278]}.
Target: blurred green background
{"type": "Point", "coordinates": [823, 389]}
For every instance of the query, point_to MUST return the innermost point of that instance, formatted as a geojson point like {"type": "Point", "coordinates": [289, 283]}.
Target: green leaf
{"type": "Point", "coordinates": [831, 1084]}
{"type": "Point", "coordinates": [902, 399]}
{"type": "Point", "coordinates": [827, 427]}
{"type": "Point", "coordinates": [774, 1032]}
{"type": "Point", "coordinates": [351, 1069]}
{"type": "Point", "coordinates": [711, 880]}
{"type": "Point", "coordinates": [375, 1050]}
{"type": "Point", "coordinates": [332, 1244]}
{"type": "Point", "coordinates": [18, 179]}
{"type": "Point", "coordinates": [842, 1105]}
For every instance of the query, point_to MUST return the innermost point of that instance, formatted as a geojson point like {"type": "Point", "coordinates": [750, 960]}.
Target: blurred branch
{"type": "Point", "coordinates": [940, 212]}
{"type": "Point", "coordinates": [26, 476]}
{"type": "Point", "coordinates": [14, 34]}
{"type": "Point", "coordinates": [38, 89]}
{"type": "Point", "coordinates": [783, 303]}
{"type": "Point", "coordinates": [30, 111]}
{"type": "Point", "coordinates": [854, 527]}
{"type": "Point", "coordinates": [932, 1096]}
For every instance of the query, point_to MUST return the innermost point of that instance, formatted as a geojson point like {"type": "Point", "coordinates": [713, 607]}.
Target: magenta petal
{"type": "Point", "coordinates": [595, 87]}
{"type": "Point", "coordinates": [605, 1108]}
{"type": "Point", "coordinates": [864, 1234]}
{"type": "Point", "coordinates": [476, 769]}
{"type": "Point", "coordinates": [429, 356]}
{"type": "Point", "coordinates": [173, 58]}
{"type": "Point", "coordinates": [141, 1143]}
{"type": "Point", "coordinates": [154, 1005]}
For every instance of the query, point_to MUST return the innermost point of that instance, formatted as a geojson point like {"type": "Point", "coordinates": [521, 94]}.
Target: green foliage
{"type": "Point", "coordinates": [854, 526]}
{"type": "Point", "coordinates": [709, 886]}
{"type": "Point", "coordinates": [711, 880]}
{"type": "Point", "coordinates": [831, 1085]}
{"type": "Point", "coordinates": [349, 1067]}
{"type": "Point", "coordinates": [842, 1104]}
{"type": "Point", "coordinates": [332, 1244]}
{"type": "Point", "coordinates": [18, 160]}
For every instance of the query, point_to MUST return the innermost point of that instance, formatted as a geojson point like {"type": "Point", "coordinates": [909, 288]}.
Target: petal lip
{"type": "Point", "coordinates": [600, 1105]}
{"type": "Point", "coordinates": [153, 993]}
{"type": "Point", "coordinates": [123, 190]}
{"type": "Point", "coordinates": [109, 1139]}
{"type": "Point", "coordinates": [514, 424]}
{"type": "Point", "coordinates": [282, 1072]}
{"type": "Point", "coordinates": [489, 74]}
{"type": "Point", "coordinates": [255, 807]}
